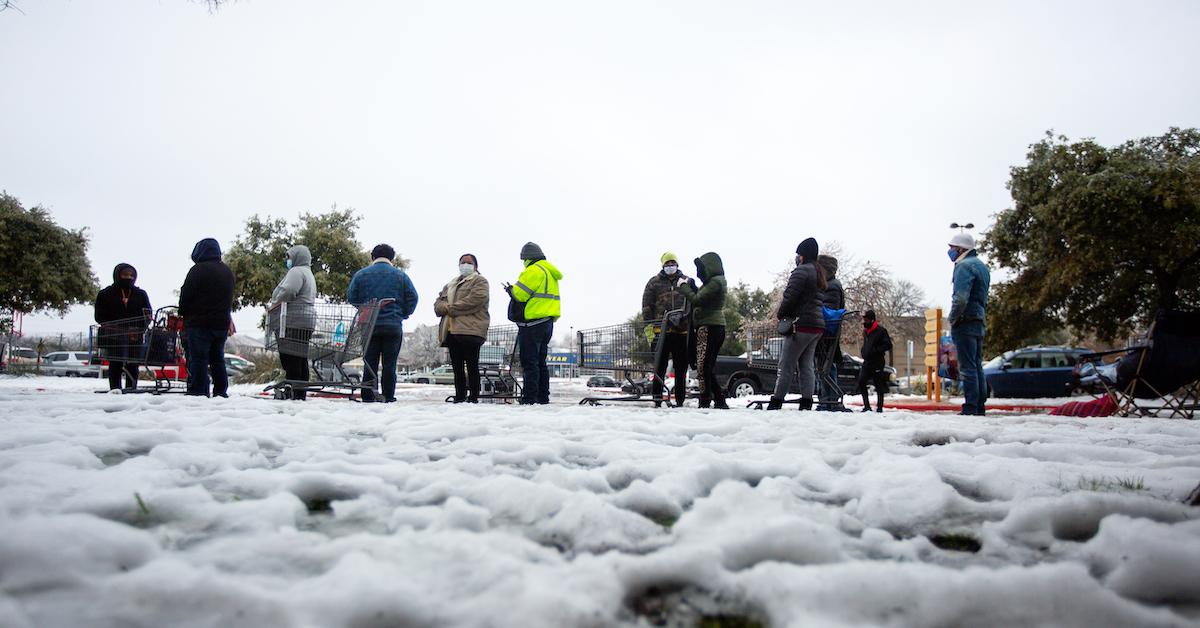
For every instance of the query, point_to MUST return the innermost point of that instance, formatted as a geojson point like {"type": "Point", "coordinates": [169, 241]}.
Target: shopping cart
{"type": "Point", "coordinates": [150, 340]}
{"type": "Point", "coordinates": [624, 351]}
{"type": "Point", "coordinates": [327, 335]}
{"type": "Point", "coordinates": [499, 359]}
{"type": "Point", "coordinates": [764, 346]}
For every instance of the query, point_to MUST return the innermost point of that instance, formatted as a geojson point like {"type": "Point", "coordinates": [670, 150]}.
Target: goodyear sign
{"type": "Point", "coordinates": [561, 358]}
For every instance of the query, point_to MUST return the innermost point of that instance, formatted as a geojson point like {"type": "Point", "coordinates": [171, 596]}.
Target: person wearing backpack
{"type": "Point", "coordinates": [876, 343]}
{"type": "Point", "coordinates": [802, 321]}
{"type": "Point", "coordinates": [663, 306]}
{"type": "Point", "coordinates": [534, 305]}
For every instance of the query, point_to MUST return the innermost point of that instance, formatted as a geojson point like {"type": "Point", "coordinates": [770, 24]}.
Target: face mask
{"type": "Point", "coordinates": [466, 269]}
{"type": "Point", "coordinates": [670, 269]}
{"type": "Point", "coordinates": [867, 324]}
{"type": "Point", "coordinates": [953, 254]}
{"type": "Point", "coordinates": [288, 263]}
{"type": "Point", "coordinates": [125, 282]}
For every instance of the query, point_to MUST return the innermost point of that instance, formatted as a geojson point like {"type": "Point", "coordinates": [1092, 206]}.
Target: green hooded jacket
{"type": "Point", "coordinates": [708, 302]}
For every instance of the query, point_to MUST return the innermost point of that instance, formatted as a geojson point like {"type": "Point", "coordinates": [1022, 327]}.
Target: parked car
{"type": "Point", "coordinates": [443, 374]}
{"type": "Point", "coordinates": [17, 356]}
{"type": "Point", "coordinates": [644, 385]}
{"type": "Point", "coordinates": [70, 364]}
{"type": "Point", "coordinates": [602, 381]}
{"type": "Point", "coordinates": [236, 364]}
{"type": "Point", "coordinates": [741, 378]}
{"type": "Point", "coordinates": [1032, 372]}
{"type": "Point", "coordinates": [327, 372]}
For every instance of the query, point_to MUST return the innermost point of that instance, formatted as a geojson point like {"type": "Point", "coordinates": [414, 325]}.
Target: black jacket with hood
{"type": "Point", "coordinates": [833, 296]}
{"type": "Point", "coordinates": [802, 297]}
{"type": "Point", "coordinates": [875, 347]}
{"type": "Point", "coordinates": [206, 298]}
{"type": "Point", "coordinates": [123, 300]}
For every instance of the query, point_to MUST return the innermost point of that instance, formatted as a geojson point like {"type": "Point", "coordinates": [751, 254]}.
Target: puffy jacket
{"type": "Point", "coordinates": [119, 302]}
{"type": "Point", "coordinates": [537, 289]}
{"type": "Point", "coordinates": [833, 296]}
{"type": "Point", "coordinates": [381, 280]}
{"type": "Point", "coordinates": [968, 306]}
{"type": "Point", "coordinates": [298, 289]}
{"type": "Point", "coordinates": [708, 302]}
{"type": "Point", "coordinates": [662, 295]}
{"type": "Point", "coordinates": [802, 297]}
{"type": "Point", "coordinates": [875, 346]}
{"type": "Point", "coordinates": [206, 298]}
{"type": "Point", "coordinates": [463, 306]}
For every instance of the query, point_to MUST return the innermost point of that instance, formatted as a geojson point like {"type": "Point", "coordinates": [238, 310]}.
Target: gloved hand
{"type": "Point", "coordinates": [692, 284]}
{"type": "Point", "coordinates": [649, 331]}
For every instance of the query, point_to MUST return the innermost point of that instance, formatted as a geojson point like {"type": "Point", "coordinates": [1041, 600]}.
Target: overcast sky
{"type": "Point", "coordinates": [607, 132]}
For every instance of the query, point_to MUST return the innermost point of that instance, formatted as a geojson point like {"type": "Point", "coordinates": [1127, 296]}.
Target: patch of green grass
{"type": "Point", "coordinates": [1102, 484]}
{"type": "Point", "coordinates": [664, 519]}
{"type": "Point", "coordinates": [143, 509]}
{"type": "Point", "coordinates": [956, 542]}
{"type": "Point", "coordinates": [729, 621]}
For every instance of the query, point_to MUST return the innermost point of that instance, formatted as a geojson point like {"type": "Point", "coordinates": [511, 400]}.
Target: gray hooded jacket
{"type": "Point", "coordinates": [298, 289]}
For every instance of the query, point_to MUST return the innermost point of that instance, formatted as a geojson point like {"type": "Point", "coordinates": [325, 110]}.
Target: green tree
{"type": "Point", "coordinates": [257, 256]}
{"type": "Point", "coordinates": [1098, 238]}
{"type": "Point", "coordinates": [46, 266]}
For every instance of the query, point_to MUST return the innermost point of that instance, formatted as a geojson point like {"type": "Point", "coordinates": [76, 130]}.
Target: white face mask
{"type": "Point", "coordinates": [466, 269]}
{"type": "Point", "coordinates": [670, 269]}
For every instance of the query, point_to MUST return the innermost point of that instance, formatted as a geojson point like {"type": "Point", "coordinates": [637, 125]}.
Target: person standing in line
{"type": "Point", "coordinates": [535, 304]}
{"type": "Point", "coordinates": [206, 307]}
{"type": "Point", "coordinates": [378, 281]}
{"type": "Point", "coordinates": [876, 343]}
{"type": "Point", "coordinates": [708, 317]}
{"type": "Point", "coordinates": [298, 290]}
{"type": "Point", "coordinates": [662, 305]}
{"type": "Point", "coordinates": [801, 307]}
{"type": "Point", "coordinates": [833, 297]}
{"type": "Point", "coordinates": [463, 306]}
{"type": "Point", "coordinates": [122, 301]}
{"type": "Point", "coordinates": [968, 311]}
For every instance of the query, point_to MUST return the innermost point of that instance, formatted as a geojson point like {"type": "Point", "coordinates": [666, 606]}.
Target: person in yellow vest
{"type": "Point", "coordinates": [534, 306]}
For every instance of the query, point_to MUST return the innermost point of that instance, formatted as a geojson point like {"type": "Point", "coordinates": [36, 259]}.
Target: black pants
{"type": "Point", "coordinates": [872, 374]}
{"type": "Point", "coordinates": [380, 363]}
{"type": "Point", "coordinates": [709, 339]}
{"type": "Point", "coordinates": [117, 369]}
{"type": "Point", "coordinates": [293, 355]}
{"type": "Point", "coordinates": [464, 358]}
{"type": "Point", "coordinates": [675, 349]}
{"type": "Point", "coordinates": [533, 341]}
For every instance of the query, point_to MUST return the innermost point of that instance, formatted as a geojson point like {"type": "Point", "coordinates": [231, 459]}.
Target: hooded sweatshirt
{"type": "Point", "coordinates": [708, 302]}
{"type": "Point", "coordinates": [123, 300]}
{"type": "Point", "coordinates": [298, 289]}
{"type": "Point", "coordinates": [206, 298]}
{"type": "Point", "coordinates": [833, 296]}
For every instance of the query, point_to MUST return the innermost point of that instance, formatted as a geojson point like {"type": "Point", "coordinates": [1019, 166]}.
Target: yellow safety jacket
{"type": "Point", "coordinates": [537, 288]}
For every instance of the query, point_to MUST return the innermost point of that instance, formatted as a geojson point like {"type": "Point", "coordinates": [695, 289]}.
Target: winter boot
{"type": "Point", "coordinates": [879, 402]}
{"type": "Point", "coordinates": [719, 402]}
{"type": "Point", "coordinates": [775, 403]}
{"type": "Point", "coordinates": [805, 404]}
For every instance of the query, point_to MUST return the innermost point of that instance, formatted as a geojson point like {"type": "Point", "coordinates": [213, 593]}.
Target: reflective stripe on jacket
{"type": "Point", "coordinates": [537, 288]}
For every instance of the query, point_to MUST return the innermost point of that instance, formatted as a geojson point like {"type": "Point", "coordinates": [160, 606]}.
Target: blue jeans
{"type": "Point", "coordinates": [534, 344]}
{"type": "Point", "coordinates": [970, 371]}
{"type": "Point", "coordinates": [380, 362]}
{"type": "Point", "coordinates": [205, 354]}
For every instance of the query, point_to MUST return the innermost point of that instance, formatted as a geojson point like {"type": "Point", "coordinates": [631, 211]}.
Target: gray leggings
{"type": "Point", "coordinates": [798, 351]}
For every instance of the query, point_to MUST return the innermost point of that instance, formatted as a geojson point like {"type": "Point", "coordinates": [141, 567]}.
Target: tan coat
{"type": "Point", "coordinates": [463, 306]}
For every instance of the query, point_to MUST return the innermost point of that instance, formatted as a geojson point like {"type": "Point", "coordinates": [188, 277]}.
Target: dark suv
{"type": "Point", "coordinates": [1032, 372]}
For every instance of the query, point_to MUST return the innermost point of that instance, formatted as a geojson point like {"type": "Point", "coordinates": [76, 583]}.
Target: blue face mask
{"type": "Point", "coordinates": [288, 264]}
{"type": "Point", "coordinates": [953, 254]}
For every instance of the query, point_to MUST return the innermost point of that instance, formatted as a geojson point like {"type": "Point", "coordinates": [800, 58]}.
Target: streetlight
{"type": "Point", "coordinates": [963, 228]}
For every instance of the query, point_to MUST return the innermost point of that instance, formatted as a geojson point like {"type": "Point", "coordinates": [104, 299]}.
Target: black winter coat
{"type": "Point", "coordinates": [206, 298]}
{"type": "Point", "coordinates": [662, 295]}
{"type": "Point", "coordinates": [802, 297]}
{"type": "Point", "coordinates": [875, 347]}
{"type": "Point", "coordinates": [117, 302]}
{"type": "Point", "coordinates": [834, 297]}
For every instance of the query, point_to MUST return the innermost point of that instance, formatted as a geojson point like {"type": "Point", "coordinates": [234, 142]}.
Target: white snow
{"type": "Point", "coordinates": [136, 510]}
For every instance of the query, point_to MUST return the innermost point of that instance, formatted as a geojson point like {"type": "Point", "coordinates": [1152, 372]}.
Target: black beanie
{"type": "Point", "coordinates": [383, 250]}
{"type": "Point", "coordinates": [869, 315]}
{"type": "Point", "coordinates": [808, 248]}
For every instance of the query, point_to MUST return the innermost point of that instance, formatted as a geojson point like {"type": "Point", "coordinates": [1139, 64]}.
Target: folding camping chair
{"type": "Point", "coordinates": [1162, 376]}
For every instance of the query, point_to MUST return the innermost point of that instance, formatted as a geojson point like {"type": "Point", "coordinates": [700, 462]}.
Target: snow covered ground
{"type": "Point", "coordinates": [137, 510]}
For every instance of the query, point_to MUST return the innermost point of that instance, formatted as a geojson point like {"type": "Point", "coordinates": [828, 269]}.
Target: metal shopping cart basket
{"type": "Point", "coordinates": [624, 351]}
{"type": "Point", "coordinates": [150, 340]}
{"type": "Point", "coordinates": [328, 335]}
{"type": "Point", "coordinates": [499, 360]}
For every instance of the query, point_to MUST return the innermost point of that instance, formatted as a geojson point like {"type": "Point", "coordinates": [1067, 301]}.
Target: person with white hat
{"type": "Point", "coordinates": [968, 312]}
